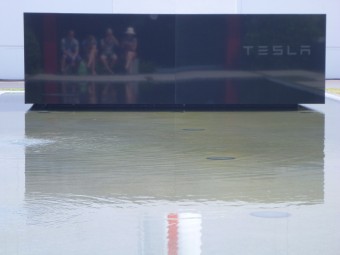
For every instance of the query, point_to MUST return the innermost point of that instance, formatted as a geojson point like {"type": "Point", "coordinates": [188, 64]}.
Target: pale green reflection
{"type": "Point", "coordinates": [160, 155]}
{"type": "Point", "coordinates": [157, 182]}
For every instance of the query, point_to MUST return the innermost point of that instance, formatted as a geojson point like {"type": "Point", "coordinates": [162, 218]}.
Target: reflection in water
{"type": "Point", "coordinates": [118, 153]}
{"type": "Point", "coordinates": [211, 87]}
{"type": "Point", "coordinates": [144, 178]}
{"type": "Point", "coordinates": [189, 233]}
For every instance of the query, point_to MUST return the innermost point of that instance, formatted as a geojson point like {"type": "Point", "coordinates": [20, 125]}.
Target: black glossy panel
{"type": "Point", "coordinates": [109, 75]}
{"type": "Point", "coordinates": [250, 59]}
{"type": "Point", "coordinates": [174, 59]}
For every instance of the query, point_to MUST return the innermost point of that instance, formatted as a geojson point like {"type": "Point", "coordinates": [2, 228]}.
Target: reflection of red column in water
{"type": "Point", "coordinates": [172, 234]}
{"type": "Point", "coordinates": [50, 55]}
{"type": "Point", "coordinates": [233, 46]}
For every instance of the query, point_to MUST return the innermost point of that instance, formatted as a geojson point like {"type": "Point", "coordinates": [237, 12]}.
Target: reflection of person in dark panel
{"type": "Point", "coordinates": [129, 46]}
{"type": "Point", "coordinates": [70, 52]}
{"type": "Point", "coordinates": [90, 50]}
{"type": "Point", "coordinates": [108, 46]}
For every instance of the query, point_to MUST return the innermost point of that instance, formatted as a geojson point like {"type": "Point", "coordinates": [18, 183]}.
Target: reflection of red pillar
{"type": "Point", "coordinates": [172, 234]}
{"type": "Point", "coordinates": [50, 55]}
{"type": "Point", "coordinates": [232, 53]}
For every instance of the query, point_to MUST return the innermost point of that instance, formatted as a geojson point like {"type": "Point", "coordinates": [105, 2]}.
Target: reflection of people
{"type": "Point", "coordinates": [90, 50]}
{"type": "Point", "coordinates": [70, 52]}
{"type": "Point", "coordinates": [129, 46]}
{"type": "Point", "coordinates": [92, 99]}
{"type": "Point", "coordinates": [108, 55]}
{"type": "Point", "coordinates": [108, 94]}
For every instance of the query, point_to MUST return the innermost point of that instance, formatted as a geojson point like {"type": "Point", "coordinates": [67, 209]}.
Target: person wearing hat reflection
{"type": "Point", "coordinates": [129, 46]}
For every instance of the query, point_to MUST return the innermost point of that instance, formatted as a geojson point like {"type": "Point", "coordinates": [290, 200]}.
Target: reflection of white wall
{"type": "Point", "coordinates": [189, 234]}
{"type": "Point", "coordinates": [11, 25]}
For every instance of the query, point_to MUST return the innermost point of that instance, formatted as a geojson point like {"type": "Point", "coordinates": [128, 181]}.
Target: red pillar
{"type": "Point", "coordinates": [172, 234]}
{"type": "Point", "coordinates": [50, 56]}
{"type": "Point", "coordinates": [233, 43]}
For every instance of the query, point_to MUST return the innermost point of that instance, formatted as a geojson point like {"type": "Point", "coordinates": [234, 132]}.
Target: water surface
{"type": "Point", "coordinates": [169, 182]}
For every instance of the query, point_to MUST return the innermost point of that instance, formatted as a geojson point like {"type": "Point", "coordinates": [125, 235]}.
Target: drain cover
{"type": "Point", "coordinates": [220, 158]}
{"type": "Point", "coordinates": [193, 129]}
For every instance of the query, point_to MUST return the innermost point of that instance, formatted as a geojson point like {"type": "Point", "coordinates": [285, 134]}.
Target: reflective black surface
{"type": "Point", "coordinates": [183, 60]}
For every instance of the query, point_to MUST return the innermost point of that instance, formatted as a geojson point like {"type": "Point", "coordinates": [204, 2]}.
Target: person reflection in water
{"type": "Point", "coordinates": [129, 50]}
{"type": "Point", "coordinates": [108, 50]}
{"type": "Point", "coordinates": [90, 51]}
{"type": "Point", "coordinates": [70, 53]}
{"type": "Point", "coordinates": [129, 46]}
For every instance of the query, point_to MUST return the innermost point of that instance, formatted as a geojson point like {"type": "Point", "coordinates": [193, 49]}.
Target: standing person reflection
{"type": "Point", "coordinates": [108, 50]}
{"type": "Point", "coordinates": [129, 46]}
{"type": "Point", "coordinates": [70, 53]}
{"type": "Point", "coordinates": [90, 51]}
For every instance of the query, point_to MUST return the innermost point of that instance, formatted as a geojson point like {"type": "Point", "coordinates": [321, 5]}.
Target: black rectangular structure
{"type": "Point", "coordinates": [174, 60]}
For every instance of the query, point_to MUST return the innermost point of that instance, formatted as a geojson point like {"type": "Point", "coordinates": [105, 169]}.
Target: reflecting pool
{"type": "Point", "coordinates": [123, 182]}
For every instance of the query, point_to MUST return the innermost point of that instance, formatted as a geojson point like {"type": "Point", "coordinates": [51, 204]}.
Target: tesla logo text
{"type": "Point", "coordinates": [277, 50]}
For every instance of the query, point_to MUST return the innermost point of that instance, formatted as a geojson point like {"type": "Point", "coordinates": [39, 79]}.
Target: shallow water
{"type": "Point", "coordinates": [169, 182]}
